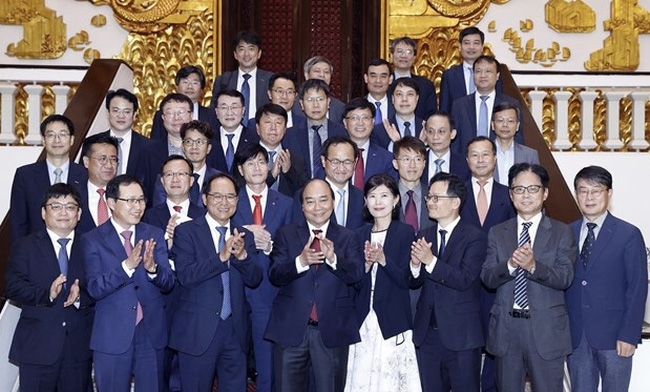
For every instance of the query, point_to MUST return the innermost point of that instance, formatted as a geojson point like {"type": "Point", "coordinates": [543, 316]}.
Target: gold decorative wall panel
{"type": "Point", "coordinates": [570, 16]}
{"type": "Point", "coordinates": [44, 33]}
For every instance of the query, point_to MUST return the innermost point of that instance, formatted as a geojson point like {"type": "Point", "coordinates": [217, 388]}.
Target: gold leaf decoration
{"type": "Point", "coordinates": [98, 20]}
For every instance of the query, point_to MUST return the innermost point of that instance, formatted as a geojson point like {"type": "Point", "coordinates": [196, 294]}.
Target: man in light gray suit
{"type": "Point", "coordinates": [505, 123]}
{"type": "Point", "coordinates": [529, 262]}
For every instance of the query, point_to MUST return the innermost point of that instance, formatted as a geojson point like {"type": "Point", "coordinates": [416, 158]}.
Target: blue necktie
{"type": "Point", "coordinates": [472, 86]}
{"type": "Point", "coordinates": [226, 306]}
{"type": "Point", "coordinates": [63, 255]}
{"type": "Point", "coordinates": [378, 114]}
{"type": "Point", "coordinates": [588, 244]}
{"type": "Point", "coordinates": [317, 145]}
{"type": "Point", "coordinates": [230, 152]}
{"type": "Point", "coordinates": [443, 243]}
{"type": "Point", "coordinates": [340, 208]}
{"type": "Point", "coordinates": [407, 129]}
{"type": "Point", "coordinates": [195, 191]}
{"type": "Point", "coordinates": [438, 163]}
{"type": "Point", "coordinates": [483, 118]}
{"type": "Point", "coordinates": [521, 297]}
{"type": "Point", "coordinates": [57, 175]}
{"type": "Point", "coordinates": [246, 92]}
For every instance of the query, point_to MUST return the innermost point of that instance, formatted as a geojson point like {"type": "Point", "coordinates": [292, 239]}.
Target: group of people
{"type": "Point", "coordinates": [384, 244]}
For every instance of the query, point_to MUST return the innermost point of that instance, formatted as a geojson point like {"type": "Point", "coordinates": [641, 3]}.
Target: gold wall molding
{"type": "Point", "coordinates": [570, 16]}
{"type": "Point", "coordinates": [44, 33]}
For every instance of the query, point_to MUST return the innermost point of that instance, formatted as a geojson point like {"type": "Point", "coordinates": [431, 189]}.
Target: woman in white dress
{"type": "Point", "coordinates": [385, 359]}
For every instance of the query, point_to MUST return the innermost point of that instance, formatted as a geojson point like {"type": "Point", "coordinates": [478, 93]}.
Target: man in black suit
{"type": "Point", "coordinates": [439, 131]}
{"type": "Point", "coordinates": [405, 96]}
{"type": "Point", "coordinates": [312, 321]}
{"type": "Point", "coordinates": [378, 79]}
{"type": "Point", "coordinates": [403, 51]}
{"type": "Point", "coordinates": [31, 181]}
{"type": "Point", "coordinates": [446, 262]}
{"type": "Point", "coordinates": [251, 81]}
{"type": "Point", "coordinates": [45, 276]}
{"type": "Point", "coordinates": [319, 67]}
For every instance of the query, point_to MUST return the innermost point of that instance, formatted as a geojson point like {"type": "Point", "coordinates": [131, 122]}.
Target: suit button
{"type": "Point", "coordinates": [134, 308]}
{"type": "Point", "coordinates": [316, 284]}
{"type": "Point", "coordinates": [584, 282]}
{"type": "Point", "coordinates": [63, 323]}
{"type": "Point", "coordinates": [137, 287]}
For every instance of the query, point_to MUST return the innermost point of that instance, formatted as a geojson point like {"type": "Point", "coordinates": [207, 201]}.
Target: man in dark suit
{"type": "Point", "coordinates": [439, 131]}
{"type": "Point", "coordinates": [314, 263]}
{"type": "Point", "coordinates": [190, 81]}
{"type": "Point", "coordinates": [487, 204]}
{"type": "Point", "coordinates": [308, 142]}
{"type": "Point", "coordinates": [405, 96]}
{"type": "Point", "coordinates": [31, 181]}
{"type": "Point", "coordinates": [403, 51]}
{"type": "Point", "coordinates": [378, 79]}
{"type": "Point", "coordinates": [358, 118]}
{"type": "Point", "coordinates": [283, 91]}
{"type": "Point", "coordinates": [458, 81]}
{"type": "Point", "coordinates": [530, 263]}
{"type": "Point", "coordinates": [262, 211]}
{"type": "Point", "coordinates": [606, 301]}
{"type": "Point", "coordinates": [127, 269]}
{"type": "Point", "coordinates": [45, 277]}
{"type": "Point", "coordinates": [214, 260]}
{"type": "Point", "coordinates": [319, 67]}
{"type": "Point", "coordinates": [446, 262]}
{"type": "Point", "coordinates": [472, 112]}
{"type": "Point", "coordinates": [251, 81]}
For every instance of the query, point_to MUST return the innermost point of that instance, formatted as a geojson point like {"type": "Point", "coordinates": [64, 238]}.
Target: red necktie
{"type": "Point", "coordinates": [411, 214]}
{"type": "Point", "coordinates": [257, 210]}
{"type": "Point", "coordinates": [177, 208]}
{"type": "Point", "coordinates": [358, 172]}
{"type": "Point", "coordinates": [129, 249]}
{"type": "Point", "coordinates": [102, 208]}
{"type": "Point", "coordinates": [315, 245]}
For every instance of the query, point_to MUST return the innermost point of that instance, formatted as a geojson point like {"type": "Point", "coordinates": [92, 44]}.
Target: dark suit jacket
{"type": "Point", "coordinates": [217, 156]}
{"type": "Point", "coordinates": [379, 161]}
{"type": "Point", "coordinates": [380, 136]}
{"type": "Point", "coordinates": [465, 115]}
{"type": "Point", "coordinates": [500, 210]}
{"type": "Point", "coordinates": [329, 288]}
{"type": "Point", "coordinates": [335, 114]}
{"type": "Point", "coordinates": [30, 183]}
{"type": "Point", "coordinates": [457, 166]}
{"type": "Point", "coordinates": [522, 154]}
{"type": "Point", "coordinates": [606, 300]}
{"type": "Point", "coordinates": [135, 167]}
{"type": "Point", "coordinates": [427, 102]}
{"type": "Point", "coordinates": [293, 180]}
{"type": "Point", "coordinates": [117, 295]}
{"type": "Point", "coordinates": [355, 209]}
{"type": "Point", "coordinates": [452, 289]}
{"type": "Point", "coordinates": [425, 221]}
{"type": "Point", "coordinates": [86, 223]}
{"type": "Point", "coordinates": [152, 161]}
{"type": "Point", "coordinates": [452, 87]}
{"type": "Point", "coordinates": [159, 215]}
{"type": "Point", "coordinates": [43, 325]}
{"type": "Point", "coordinates": [206, 114]}
{"type": "Point", "coordinates": [391, 301]}
{"type": "Point", "coordinates": [555, 254]}
{"type": "Point", "coordinates": [199, 270]}
{"type": "Point", "coordinates": [391, 107]}
{"type": "Point", "coordinates": [297, 141]}
{"type": "Point", "coordinates": [228, 80]}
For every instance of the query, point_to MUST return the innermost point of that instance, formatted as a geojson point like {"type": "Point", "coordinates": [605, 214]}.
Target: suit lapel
{"type": "Point", "coordinates": [245, 207]}
{"type": "Point", "coordinates": [113, 241]}
{"type": "Point", "coordinates": [605, 235]}
{"type": "Point", "coordinates": [542, 236]}
{"type": "Point", "coordinates": [271, 203]}
{"type": "Point", "coordinates": [49, 255]}
{"type": "Point", "coordinates": [472, 111]}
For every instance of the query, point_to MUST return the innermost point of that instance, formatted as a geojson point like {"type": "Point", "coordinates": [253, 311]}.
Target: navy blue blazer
{"type": "Point", "coordinates": [452, 87]}
{"type": "Point", "coordinates": [464, 112]}
{"type": "Point", "coordinates": [217, 156]}
{"type": "Point", "coordinates": [329, 288]}
{"type": "Point", "coordinates": [159, 215]}
{"type": "Point", "coordinates": [452, 289]}
{"type": "Point", "coordinates": [380, 136]}
{"type": "Point", "coordinates": [355, 209]}
{"type": "Point", "coordinates": [199, 270]}
{"type": "Point", "coordinates": [152, 161]}
{"type": "Point", "coordinates": [30, 183]}
{"type": "Point", "coordinates": [117, 295]}
{"type": "Point", "coordinates": [297, 141]}
{"type": "Point", "coordinates": [228, 80]}
{"type": "Point", "coordinates": [135, 167]}
{"type": "Point", "coordinates": [427, 102]}
{"type": "Point", "coordinates": [500, 209]}
{"type": "Point", "coordinates": [391, 301]}
{"type": "Point", "coordinates": [457, 166]}
{"type": "Point", "coordinates": [43, 325]}
{"type": "Point", "coordinates": [206, 114]}
{"type": "Point", "coordinates": [86, 223]}
{"type": "Point", "coordinates": [606, 300]}
{"type": "Point", "coordinates": [379, 161]}
{"type": "Point", "coordinates": [293, 180]}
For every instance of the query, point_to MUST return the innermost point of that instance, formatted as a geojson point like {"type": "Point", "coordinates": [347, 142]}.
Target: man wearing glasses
{"type": "Point", "coordinates": [31, 181]}
{"type": "Point", "coordinates": [530, 262]}
{"type": "Point", "coordinates": [283, 91]}
{"type": "Point", "coordinates": [45, 276]}
{"type": "Point", "coordinates": [439, 131]}
{"type": "Point", "coordinates": [127, 270]}
{"type": "Point", "coordinates": [215, 259]}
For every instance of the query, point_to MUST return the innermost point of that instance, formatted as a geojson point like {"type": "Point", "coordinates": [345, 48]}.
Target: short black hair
{"type": "Point", "coordinates": [60, 190]}
{"type": "Point", "coordinates": [442, 113]}
{"type": "Point", "coordinates": [208, 183]}
{"type": "Point", "coordinates": [100, 138]}
{"type": "Point", "coordinates": [249, 151]}
{"type": "Point", "coordinates": [390, 183]}
{"type": "Point", "coordinates": [176, 97]}
{"type": "Point", "coordinates": [249, 37]}
{"type": "Point", "coordinates": [359, 103]}
{"type": "Point", "coordinates": [113, 186]}
{"type": "Point", "coordinates": [339, 139]}
{"type": "Point", "coordinates": [176, 157]}
{"type": "Point", "coordinates": [505, 105]}
{"type": "Point", "coordinates": [404, 82]}
{"type": "Point", "coordinates": [282, 75]}
{"type": "Point", "coordinates": [187, 71]}
{"type": "Point", "coordinates": [378, 62]}
{"type": "Point", "coordinates": [57, 118]}
{"type": "Point", "coordinates": [471, 31]}
{"type": "Point", "coordinates": [455, 186]}
{"type": "Point", "coordinates": [200, 126]}
{"type": "Point", "coordinates": [409, 143]}
{"type": "Point", "coordinates": [404, 40]}
{"type": "Point", "coordinates": [487, 59]}
{"type": "Point", "coordinates": [229, 93]}
{"type": "Point", "coordinates": [314, 84]}
{"type": "Point", "coordinates": [482, 139]}
{"type": "Point", "coordinates": [271, 108]}
{"type": "Point", "coordinates": [596, 174]}
{"type": "Point", "coordinates": [121, 93]}
{"type": "Point", "coordinates": [518, 168]}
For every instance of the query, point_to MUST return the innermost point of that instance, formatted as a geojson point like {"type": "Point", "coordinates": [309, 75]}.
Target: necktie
{"type": "Point", "coordinates": [438, 163]}
{"type": "Point", "coordinates": [246, 92]}
{"type": "Point", "coordinates": [588, 244]}
{"type": "Point", "coordinates": [317, 146]}
{"type": "Point", "coordinates": [472, 86]}
{"type": "Point", "coordinates": [315, 245]}
{"type": "Point", "coordinates": [195, 190]}
{"type": "Point", "coordinates": [102, 208]}
{"type": "Point", "coordinates": [410, 213]}
{"type": "Point", "coordinates": [57, 175]}
{"type": "Point", "coordinates": [407, 129]}
{"type": "Point", "coordinates": [483, 117]}
{"type": "Point", "coordinates": [226, 307]}
{"type": "Point", "coordinates": [177, 208]}
{"type": "Point", "coordinates": [481, 202]}
{"type": "Point", "coordinates": [443, 243]}
{"type": "Point", "coordinates": [63, 255]}
{"type": "Point", "coordinates": [126, 234]}
{"type": "Point", "coordinates": [119, 155]}
{"type": "Point", "coordinates": [257, 210]}
{"type": "Point", "coordinates": [340, 208]}
{"type": "Point", "coordinates": [230, 152]}
{"type": "Point", "coordinates": [276, 183]}
{"type": "Point", "coordinates": [359, 179]}
{"type": "Point", "coordinates": [378, 114]}
{"type": "Point", "coordinates": [521, 297]}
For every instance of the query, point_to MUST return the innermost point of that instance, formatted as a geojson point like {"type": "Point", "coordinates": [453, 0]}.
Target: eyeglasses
{"type": "Point", "coordinates": [226, 109]}
{"type": "Point", "coordinates": [503, 121]}
{"type": "Point", "coordinates": [219, 197]}
{"type": "Point", "coordinates": [287, 92]}
{"type": "Point", "coordinates": [337, 162]}
{"type": "Point", "coordinates": [436, 198]}
{"type": "Point", "coordinates": [177, 113]}
{"type": "Point", "coordinates": [532, 189]}
{"type": "Point", "coordinates": [134, 202]}
{"type": "Point", "coordinates": [70, 207]}
{"type": "Point", "coordinates": [584, 192]}
{"type": "Point", "coordinates": [407, 52]}
{"type": "Point", "coordinates": [359, 118]}
{"type": "Point", "coordinates": [118, 111]}
{"type": "Point", "coordinates": [409, 160]}
{"type": "Point", "coordinates": [195, 142]}
{"type": "Point", "coordinates": [49, 136]}
{"type": "Point", "coordinates": [104, 160]}
{"type": "Point", "coordinates": [188, 82]}
{"type": "Point", "coordinates": [170, 175]}
{"type": "Point", "coordinates": [314, 99]}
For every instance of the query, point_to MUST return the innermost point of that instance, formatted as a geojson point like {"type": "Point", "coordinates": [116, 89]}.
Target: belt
{"type": "Point", "coordinates": [520, 313]}
{"type": "Point", "coordinates": [312, 322]}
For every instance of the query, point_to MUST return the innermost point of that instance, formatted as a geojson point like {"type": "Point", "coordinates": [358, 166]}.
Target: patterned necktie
{"type": "Point", "coordinates": [521, 297]}
{"type": "Point", "coordinates": [483, 117]}
{"type": "Point", "coordinates": [257, 210]}
{"type": "Point", "coordinates": [57, 175]}
{"type": "Point", "coordinates": [230, 152]}
{"type": "Point", "coordinates": [195, 190]}
{"type": "Point", "coordinates": [126, 234]}
{"type": "Point", "coordinates": [443, 243]}
{"type": "Point", "coordinates": [378, 114]}
{"type": "Point", "coordinates": [438, 163]}
{"type": "Point", "coordinates": [481, 202]}
{"type": "Point", "coordinates": [63, 255]}
{"type": "Point", "coordinates": [588, 244]}
{"type": "Point", "coordinates": [359, 179]}
{"type": "Point", "coordinates": [102, 208]}
{"type": "Point", "coordinates": [472, 86]}
{"type": "Point", "coordinates": [340, 208]}
{"type": "Point", "coordinates": [119, 155]}
{"type": "Point", "coordinates": [315, 245]}
{"type": "Point", "coordinates": [317, 146]}
{"type": "Point", "coordinates": [246, 92]}
{"type": "Point", "coordinates": [226, 306]}
{"type": "Point", "coordinates": [410, 213]}
{"type": "Point", "coordinates": [407, 129]}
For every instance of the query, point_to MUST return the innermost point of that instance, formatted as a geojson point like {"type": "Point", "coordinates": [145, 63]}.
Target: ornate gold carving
{"type": "Point", "coordinates": [544, 57]}
{"type": "Point", "coordinates": [44, 33]}
{"type": "Point", "coordinates": [98, 20]}
{"type": "Point", "coordinates": [78, 41]}
{"type": "Point", "coordinates": [492, 26]}
{"type": "Point", "coordinates": [526, 25]}
{"type": "Point", "coordinates": [620, 50]}
{"type": "Point", "coordinates": [91, 54]}
{"type": "Point", "coordinates": [570, 16]}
